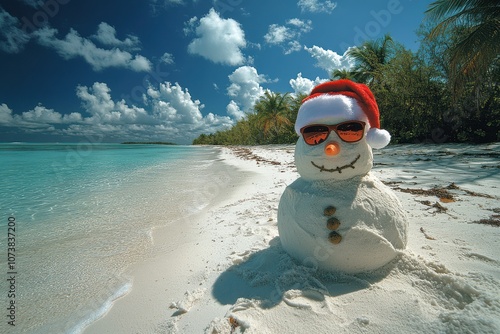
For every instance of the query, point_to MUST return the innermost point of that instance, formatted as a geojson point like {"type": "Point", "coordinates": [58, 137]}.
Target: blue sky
{"type": "Point", "coordinates": [169, 70]}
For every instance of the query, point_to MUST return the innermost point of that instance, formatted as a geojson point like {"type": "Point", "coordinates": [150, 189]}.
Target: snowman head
{"type": "Point", "coordinates": [338, 125]}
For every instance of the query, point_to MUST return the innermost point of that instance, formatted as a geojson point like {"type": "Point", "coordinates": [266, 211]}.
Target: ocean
{"type": "Point", "coordinates": [83, 215]}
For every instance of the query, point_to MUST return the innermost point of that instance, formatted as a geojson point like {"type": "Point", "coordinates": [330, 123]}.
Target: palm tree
{"type": "Point", "coordinates": [478, 46]}
{"type": "Point", "coordinates": [342, 74]}
{"type": "Point", "coordinates": [295, 103]}
{"type": "Point", "coordinates": [272, 110]}
{"type": "Point", "coordinates": [369, 58]}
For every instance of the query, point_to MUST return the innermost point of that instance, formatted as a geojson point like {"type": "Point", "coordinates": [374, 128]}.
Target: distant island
{"type": "Point", "coordinates": [148, 143]}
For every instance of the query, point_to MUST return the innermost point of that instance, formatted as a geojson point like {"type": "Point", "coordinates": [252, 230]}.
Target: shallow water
{"type": "Point", "coordinates": [84, 214]}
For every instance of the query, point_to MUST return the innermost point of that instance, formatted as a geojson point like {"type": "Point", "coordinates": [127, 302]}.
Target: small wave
{"type": "Point", "coordinates": [79, 328]}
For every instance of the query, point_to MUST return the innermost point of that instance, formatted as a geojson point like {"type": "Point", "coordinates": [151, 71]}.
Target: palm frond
{"type": "Point", "coordinates": [478, 46]}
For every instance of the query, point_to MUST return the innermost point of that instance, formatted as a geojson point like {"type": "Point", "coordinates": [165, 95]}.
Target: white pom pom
{"type": "Point", "coordinates": [378, 138]}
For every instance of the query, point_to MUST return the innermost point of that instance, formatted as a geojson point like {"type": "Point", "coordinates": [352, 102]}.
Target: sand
{"type": "Point", "coordinates": [224, 271]}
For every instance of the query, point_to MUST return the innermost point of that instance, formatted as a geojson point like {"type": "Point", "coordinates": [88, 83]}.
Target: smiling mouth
{"type": "Point", "coordinates": [338, 169]}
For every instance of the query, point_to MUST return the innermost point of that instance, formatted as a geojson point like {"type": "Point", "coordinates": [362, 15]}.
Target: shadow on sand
{"type": "Point", "coordinates": [267, 275]}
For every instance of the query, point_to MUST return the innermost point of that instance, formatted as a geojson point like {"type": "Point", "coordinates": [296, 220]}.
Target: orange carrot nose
{"type": "Point", "coordinates": [332, 149]}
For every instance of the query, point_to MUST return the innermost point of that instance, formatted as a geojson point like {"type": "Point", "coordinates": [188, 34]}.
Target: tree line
{"type": "Point", "coordinates": [446, 91]}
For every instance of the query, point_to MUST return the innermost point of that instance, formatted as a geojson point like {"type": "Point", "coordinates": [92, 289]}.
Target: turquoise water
{"type": "Point", "coordinates": [85, 213]}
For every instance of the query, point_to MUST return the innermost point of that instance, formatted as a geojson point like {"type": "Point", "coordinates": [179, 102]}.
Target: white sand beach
{"type": "Point", "coordinates": [224, 270]}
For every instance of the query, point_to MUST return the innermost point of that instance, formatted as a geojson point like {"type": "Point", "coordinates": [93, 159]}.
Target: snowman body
{"type": "Point", "coordinates": [337, 215]}
{"type": "Point", "coordinates": [372, 223]}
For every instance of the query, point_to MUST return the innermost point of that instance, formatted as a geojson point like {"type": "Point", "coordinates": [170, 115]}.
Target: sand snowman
{"type": "Point", "coordinates": [337, 215]}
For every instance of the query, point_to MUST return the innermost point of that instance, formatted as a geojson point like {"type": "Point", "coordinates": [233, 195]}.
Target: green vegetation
{"type": "Point", "coordinates": [447, 91]}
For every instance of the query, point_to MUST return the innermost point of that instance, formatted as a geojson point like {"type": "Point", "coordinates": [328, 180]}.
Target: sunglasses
{"type": "Point", "coordinates": [350, 132]}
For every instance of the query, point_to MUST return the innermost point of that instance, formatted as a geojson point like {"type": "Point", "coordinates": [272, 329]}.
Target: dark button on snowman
{"type": "Point", "coordinates": [337, 215]}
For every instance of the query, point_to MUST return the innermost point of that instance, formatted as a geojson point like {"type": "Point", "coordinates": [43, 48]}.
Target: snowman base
{"type": "Point", "coordinates": [368, 222]}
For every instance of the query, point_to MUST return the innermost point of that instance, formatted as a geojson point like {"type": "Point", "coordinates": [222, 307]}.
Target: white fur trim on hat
{"type": "Point", "coordinates": [378, 138]}
{"type": "Point", "coordinates": [329, 109]}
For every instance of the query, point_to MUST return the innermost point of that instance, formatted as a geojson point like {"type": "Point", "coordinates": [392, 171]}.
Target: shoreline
{"type": "Point", "coordinates": [168, 270]}
{"type": "Point", "coordinates": [83, 221]}
{"type": "Point", "coordinates": [224, 270]}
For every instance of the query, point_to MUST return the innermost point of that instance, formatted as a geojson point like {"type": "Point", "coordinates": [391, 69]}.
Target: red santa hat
{"type": "Point", "coordinates": [343, 100]}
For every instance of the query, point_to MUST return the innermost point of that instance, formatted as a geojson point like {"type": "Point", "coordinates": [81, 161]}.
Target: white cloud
{"type": "Point", "coordinates": [97, 101]}
{"type": "Point", "coordinates": [39, 117]}
{"type": "Point", "coordinates": [5, 115]}
{"type": "Point", "coordinates": [40, 114]}
{"type": "Point", "coordinates": [287, 36]}
{"type": "Point", "coordinates": [330, 60]}
{"type": "Point", "coordinates": [302, 85]}
{"type": "Point", "coordinates": [245, 88]}
{"type": "Point", "coordinates": [171, 102]}
{"type": "Point", "coordinates": [176, 109]}
{"type": "Point", "coordinates": [293, 46]}
{"type": "Point", "coordinates": [316, 6]}
{"type": "Point", "coordinates": [12, 38]}
{"type": "Point", "coordinates": [277, 34]}
{"type": "Point", "coordinates": [172, 115]}
{"type": "Point", "coordinates": [303, 26]}
{"type": "Point", "coordinates": [219, 40]}
{"type": "Point", "coordinates": [167, 58]}
{"type": "Point", "coordinates": [140, 64]}
{"type": "Point", "coordinates": [250, 60]}
{"type": "Point", "coordinates": [234, 110]}
{"type": "Point", "coordinates": [106, 35]}
{"type": "Point", "coordinates": [73, 45]}
{"type": "Point", "coordinates": [190, 25]}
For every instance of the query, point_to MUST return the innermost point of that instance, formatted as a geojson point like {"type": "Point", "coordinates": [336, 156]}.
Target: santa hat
{"type": "Point", "coordinates": [321, 106]}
